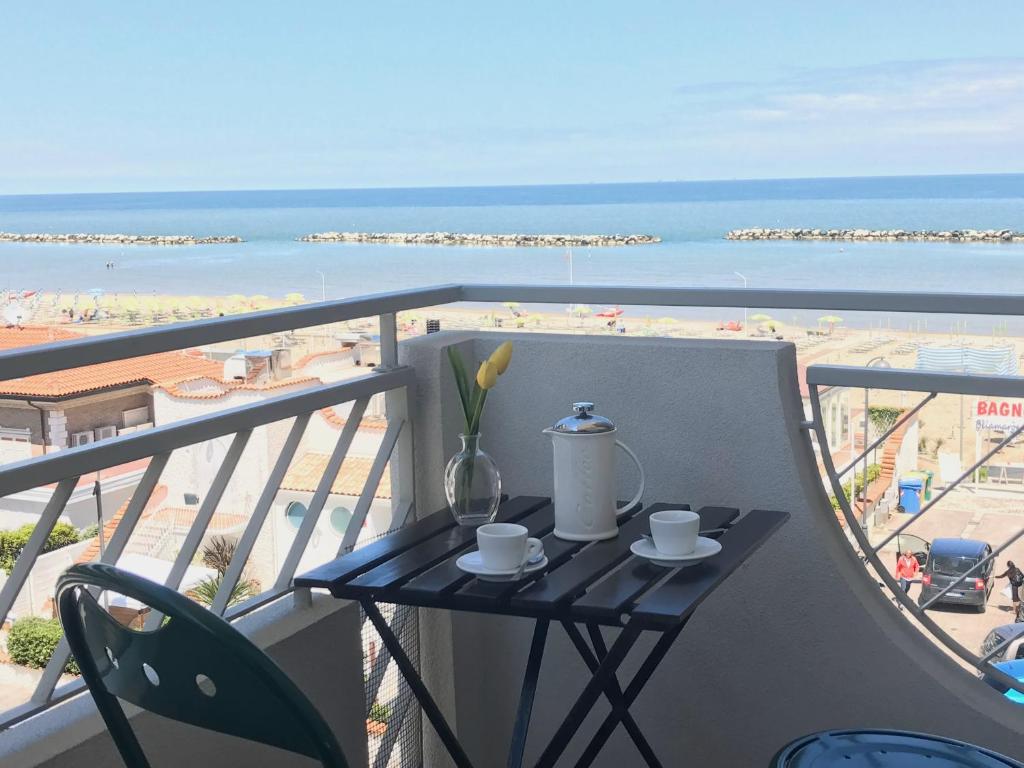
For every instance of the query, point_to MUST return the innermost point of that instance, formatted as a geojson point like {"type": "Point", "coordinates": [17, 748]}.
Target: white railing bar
{"type": "Point", "coordinates": [59, 356]}
{"type": "Point", "coordinates": [41, 471]}
{"type": "Point", "coordinates": [320, 495]}
{"type": "Point", "coordinates": [973, 568]}
{"type": "Point", "coordinates": [380, 461]}
{"type": "Point", "coordinates": [202, 522]}
{"type": "Point", "coordinates": [881, 571]}
{"type": "Point", "coordinates": [388, 341]}
{"type": "Point", "coordinates": [903, 420]}
{"type": "Point", "coordinates": [949, 487]}
{"type": "Point", "coordinates": [915, 381]}
{"type": "Point", "coordinates": [252, 529]}
{"type": "Point", "coordinates": [27, 557]}
{"type": "Point", "coordinates": [401, 404]}
{"type": "Point", "coordinates": [255, 603]}
{"type": "Point", "coordinates": [118, 541]}
{"type": "Point", "coordinates": [868, 301]}
{"type": "Point", "coordinates": [62, 355]}
{"type": "Point", "coordinates": [22, 712]}
{"type": "Point", "coordinates": [400, 514]}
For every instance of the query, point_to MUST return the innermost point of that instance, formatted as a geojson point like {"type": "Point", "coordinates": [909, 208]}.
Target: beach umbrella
{"type": "Point", "coordinates": [760, 317]}
{"type": "Point", "coordinates": [511, 305]}
{"type": "Point", "coordinates": [831, 320]}
{"type": "Point", "coordinates": [611, 312]}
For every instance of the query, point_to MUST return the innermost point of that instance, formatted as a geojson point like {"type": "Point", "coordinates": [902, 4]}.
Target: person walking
{"type": "Point", "coordinates": [907, 569]}
{"type": "Point", "coordinates": [1016, 578]}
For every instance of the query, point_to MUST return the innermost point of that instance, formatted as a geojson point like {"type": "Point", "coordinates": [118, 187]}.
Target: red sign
{"type": "Point", "coordinates": [1000, 408]}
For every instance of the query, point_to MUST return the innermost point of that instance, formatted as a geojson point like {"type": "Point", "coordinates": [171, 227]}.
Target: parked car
{"type": "Point", "coordinates": [948, 560]}
{"type": "Point", "coordinates": [1014, 669]}
{"type": "Point", "coordinates": [1010, 634]}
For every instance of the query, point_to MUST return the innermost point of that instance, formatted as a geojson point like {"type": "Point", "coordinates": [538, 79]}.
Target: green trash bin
{"type": "Point", "coordinates": [925, 476]}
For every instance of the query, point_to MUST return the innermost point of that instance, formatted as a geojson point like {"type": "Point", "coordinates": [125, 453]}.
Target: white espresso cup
{"type": "Point", "coordinates": [675, 531]}
{"type": "Point", "coordinates": [505, 546]}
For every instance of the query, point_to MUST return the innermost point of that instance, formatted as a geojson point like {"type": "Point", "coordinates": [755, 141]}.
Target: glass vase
{"type": "Point", "coordinates": [472, 484]}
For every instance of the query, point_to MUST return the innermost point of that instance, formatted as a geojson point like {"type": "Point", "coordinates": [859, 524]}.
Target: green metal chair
{"type": "Point", "coordinates": [195, 668]}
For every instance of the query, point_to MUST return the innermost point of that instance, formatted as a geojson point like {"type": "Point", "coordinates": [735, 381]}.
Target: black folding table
{"type": "Point", "coordinates": [585, 584]}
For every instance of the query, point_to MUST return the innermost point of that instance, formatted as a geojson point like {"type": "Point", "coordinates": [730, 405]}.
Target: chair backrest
{"type": "Point", "coordinates": [195, 668]}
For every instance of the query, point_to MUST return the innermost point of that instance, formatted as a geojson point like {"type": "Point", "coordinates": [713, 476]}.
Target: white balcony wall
{"type": "Point", "coordinates": [797, 640]}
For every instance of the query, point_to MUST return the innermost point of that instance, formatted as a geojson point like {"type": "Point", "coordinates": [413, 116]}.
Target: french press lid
{"type": "Point", "coordinates": [583, 421]}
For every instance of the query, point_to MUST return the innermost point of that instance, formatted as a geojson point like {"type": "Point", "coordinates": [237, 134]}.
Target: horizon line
{"type": "Point", "coordinates": [516, 186]}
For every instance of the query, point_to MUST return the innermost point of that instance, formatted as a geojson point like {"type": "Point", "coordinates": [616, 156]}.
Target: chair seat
{"type": "Point", "coordinates": [886, 749]}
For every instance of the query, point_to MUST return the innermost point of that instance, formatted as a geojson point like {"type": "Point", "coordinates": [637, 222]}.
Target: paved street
{"type": "Point", "coordinates": [993, 516]}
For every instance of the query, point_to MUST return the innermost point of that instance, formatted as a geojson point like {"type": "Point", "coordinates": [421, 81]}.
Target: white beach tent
{"type": "Point", "coordinates": [993, 361]}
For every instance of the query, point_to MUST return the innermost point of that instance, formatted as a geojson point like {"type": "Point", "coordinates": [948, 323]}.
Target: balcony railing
{"type": "Point", "coordinates": [64, 468]}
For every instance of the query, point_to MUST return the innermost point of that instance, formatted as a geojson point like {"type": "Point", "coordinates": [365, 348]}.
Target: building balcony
{"type": "Point", "coordinates": [800, 639]}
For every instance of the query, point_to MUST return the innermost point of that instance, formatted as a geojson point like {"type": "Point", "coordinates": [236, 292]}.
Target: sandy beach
{"type": "Point", "coordinates": [826, 343]}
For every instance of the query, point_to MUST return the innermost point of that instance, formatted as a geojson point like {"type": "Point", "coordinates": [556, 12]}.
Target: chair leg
{"type": "Point", "coordinates": [120, 729]}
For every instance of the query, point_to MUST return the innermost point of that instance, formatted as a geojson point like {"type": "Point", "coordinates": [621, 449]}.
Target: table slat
{"type": "Point", "coordinates": [336, 572]}
{"type": "Point", "coordinates": [586, 567]}
{"type": "Point", "coordinates": [615, 595]}
{"type": "Point", "coordinates": [447, 576]}
{"type": "Point", "coordinates": [677, 598]}
{"type": "Point", "coordinates": [435, 549]}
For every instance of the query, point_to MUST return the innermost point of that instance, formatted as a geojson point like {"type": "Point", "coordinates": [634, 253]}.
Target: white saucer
{"type": "Point", "coordinates": [472, 563]}
{"type": "Point", "coordinates": [705, 548]}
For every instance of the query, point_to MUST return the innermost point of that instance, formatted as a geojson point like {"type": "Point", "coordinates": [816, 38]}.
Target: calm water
{"type": "Point", "coordinates": [691, 217]}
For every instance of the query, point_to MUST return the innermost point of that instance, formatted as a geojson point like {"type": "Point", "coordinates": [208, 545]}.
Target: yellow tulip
{"type": "Point", "coordinates": [501, 357]}
{"type": "Point", "coordinates": [487, 376]}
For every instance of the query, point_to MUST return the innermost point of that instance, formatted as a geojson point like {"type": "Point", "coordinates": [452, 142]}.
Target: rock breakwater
{"type": "Point", "coordinates": [94, 239]}
{"type": "Point", "coordinates": [886, 235]}
{"type": "Point", "coordinates": [455, 238]}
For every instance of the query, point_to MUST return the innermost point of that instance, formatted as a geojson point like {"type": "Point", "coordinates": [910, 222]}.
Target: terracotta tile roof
{"type": "Point", "coordinates": [31, 335]}
{"type": "Point", "coordinates": [305, 474]}
{"type": "Point", "coordinates": [90, 553]}
{"type": "Point", "coordinates": [221, 388]}
{"type": "Point", "coordinates": [184, 517]}
{"type": "Point", "coordinates": [371, 423]}
{"type": "Point", "coordinates": [162, 368]}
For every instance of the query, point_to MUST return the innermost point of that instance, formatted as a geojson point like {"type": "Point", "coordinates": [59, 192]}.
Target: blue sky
{"type": "Point", "coordinates": [121, 96]}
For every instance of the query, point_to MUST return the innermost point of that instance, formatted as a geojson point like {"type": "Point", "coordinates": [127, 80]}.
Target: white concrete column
{"type": "Point", "coordinates": [57, 427]}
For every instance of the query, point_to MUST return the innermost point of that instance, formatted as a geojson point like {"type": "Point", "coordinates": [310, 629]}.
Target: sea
{"type": "Point", "coordinates": [691, 218]}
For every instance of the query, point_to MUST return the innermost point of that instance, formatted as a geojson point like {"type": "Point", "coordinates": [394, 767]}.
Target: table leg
{"type": "Point", "coordinates": [415, 682]}
{"type": "Point", "coordinates": [588, 697]}
{"type": "Point", "coordinates": [522, 726]}
{"type": "Point", "coordinates": [621, 709]}
{"type": "Point", "coordinates": [616, 696]}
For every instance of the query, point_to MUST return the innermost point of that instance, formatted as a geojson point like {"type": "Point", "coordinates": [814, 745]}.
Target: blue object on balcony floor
{"type": "Point", "coordinates": [602, 584]}
{"type": "Point", "coordinates": [886, 749]}
{"type": "Point", "coordinates": [196, 668]}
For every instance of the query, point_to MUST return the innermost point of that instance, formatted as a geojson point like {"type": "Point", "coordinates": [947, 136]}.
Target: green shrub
{"type": "Point", "coordinates": [89, 532]}
{"type": "Point", "coordinates": [380, 712]}
{"type": "Point", "coordinates": [12, 542]}
{"type": "Point", "coordinates": [874, 472]}
{"type": "Point", "coordinates": [32, 640]}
